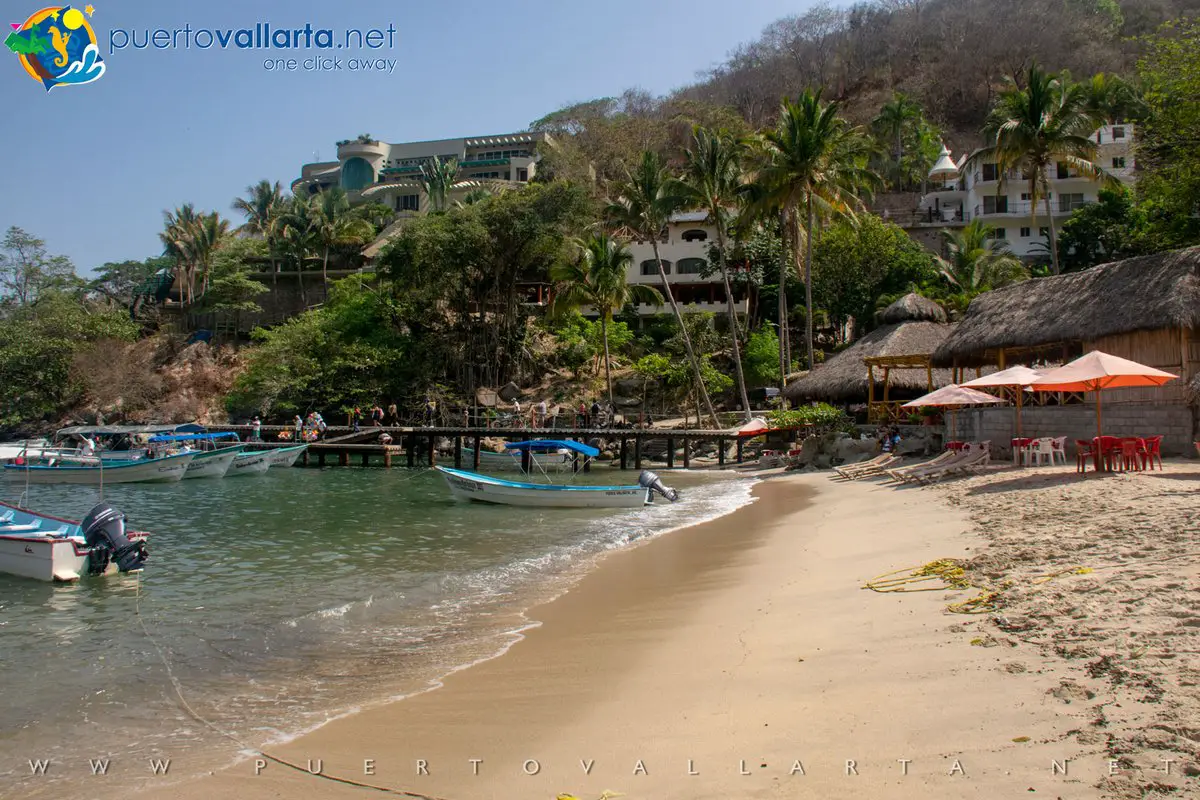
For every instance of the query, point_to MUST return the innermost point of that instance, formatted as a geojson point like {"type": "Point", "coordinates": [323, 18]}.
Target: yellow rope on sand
{"type": "Point", "coordinates": [950, 575]}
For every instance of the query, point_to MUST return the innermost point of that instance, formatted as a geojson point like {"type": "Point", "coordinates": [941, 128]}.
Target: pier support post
{"type": "Point", "coordinates": [387, 457]}
{"type": "Point", "coordinates": [475, 458]}
{"type": "Point", "coordinates": [412, 449]}
{"type": "Point", "coordinates": [720, 452]}
{"type": "Point", "coordinates": [687, 454]}
{"type": "Point", "coordinates": [432, 449]}
{"type": "Point", "coordinates": [458, 452]}
{"type": "Point", "coordinates": [637, 452]}
{"type": "Point", "coordinates": [670, 452]}
{"type": "Point", "coordinates": [624, 453]}
{"type": "Point", "coordinates": [344, 458]}
{"type": "Point", "coordinates": [304, 456]}
{"type": "Point", "coordinates": [366, 459]}
{"type": "Point", "coordinates": [321, 459]}
{"type": "Point", "coordinates": [741, 446]}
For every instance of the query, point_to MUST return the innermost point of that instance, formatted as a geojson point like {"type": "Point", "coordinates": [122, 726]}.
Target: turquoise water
{"type": "Point", "coordinates": [280, 601]}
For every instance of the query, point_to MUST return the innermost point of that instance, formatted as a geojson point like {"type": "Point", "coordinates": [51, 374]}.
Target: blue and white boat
{"type": "Point", "coordinates": [213, 458]}
{"type": "Point", "coordinates": [487, 489]}
{"type": "Point", "coordinates": [53, 549]}
{"type": "Point", "coordinates": [91, 470]}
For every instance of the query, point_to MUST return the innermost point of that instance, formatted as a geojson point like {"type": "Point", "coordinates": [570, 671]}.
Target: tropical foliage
{"type": "Point", "coordinates": [976, 261]}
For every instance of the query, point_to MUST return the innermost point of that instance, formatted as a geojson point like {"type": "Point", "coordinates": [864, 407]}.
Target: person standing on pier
{"type": "Point", "coordinates": [541, 414]}
{"type": "Point", "coordinates": [256, 430]}
{"type": "Point", "coordinates": [430, 411]}
{"type": "Point", "coordinates": [298, 424]}
{"type": "Point", "coordinates": [393, 416]}
{"type": "Point", "coordinates": [377, 416]}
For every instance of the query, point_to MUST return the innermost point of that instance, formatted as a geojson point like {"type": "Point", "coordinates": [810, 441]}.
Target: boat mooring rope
{"type": "Point", "coordinates": [178, 687]}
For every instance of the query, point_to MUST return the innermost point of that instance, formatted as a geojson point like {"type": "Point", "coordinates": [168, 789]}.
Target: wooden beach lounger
{"type": "Point", "coordinates": [870, 467]}
{"type": "Point", "coordinates": [919, 474]}
{"type": "Point", "coordinates": [898, 473]}
{"type": "Point", "coordinates": [976, 458]}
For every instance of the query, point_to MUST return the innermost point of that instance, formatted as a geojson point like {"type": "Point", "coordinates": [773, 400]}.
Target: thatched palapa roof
{"type": "Point", "coordinates": [914, 326]}
{"type": "Point", "coordinates": [1144, 293]}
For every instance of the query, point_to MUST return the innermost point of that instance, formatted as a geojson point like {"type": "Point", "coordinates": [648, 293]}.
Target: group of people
{"type": "Point", "coordinates": [889, 438]}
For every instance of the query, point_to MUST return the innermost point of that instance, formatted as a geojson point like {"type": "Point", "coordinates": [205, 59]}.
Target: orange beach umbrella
{"type": "Point", "coordinates": [953, 395]}
{"type": "Point", "coordinates": [1097, 371]}
{"type": "Point", "coordinates": [1015, 378]}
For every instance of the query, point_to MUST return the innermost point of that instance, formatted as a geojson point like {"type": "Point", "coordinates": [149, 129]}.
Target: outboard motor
{"type": "Point", "coordinates": [104, 532]}
{"type": "Point", "coordinates": [651, 481]}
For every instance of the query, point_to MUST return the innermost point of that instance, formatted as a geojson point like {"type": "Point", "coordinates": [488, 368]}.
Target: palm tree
{"type": "Point", "coordinates": [643, 206]}
{"type": "Point", "coordinates": [812, 161]}
{"type": "Point", "coordinates": [712, 180]}
{"type": "Point", "coordinates": [598, 279]}
{"type": "Point", "coordinates": [1113, 99]}
{"type": "Point", "coordinates": [472, 197]}
{"type": "Point", "coordinates": [975, 262]}
{"type": "Point", "coordinates": [333, 224]}
{"type": "Point", "coordinates": [176, 238]}
{"type": "Point", "coordinates": [295, 230]}
{"type": "Point", "coordinates": [206, 236]}
{"type": "Point", "coordinates": [893, 120]}
{"type": "Point", "coordinates": [437, 178]}
{"type": "Point", "coordinates": [1032, 128]}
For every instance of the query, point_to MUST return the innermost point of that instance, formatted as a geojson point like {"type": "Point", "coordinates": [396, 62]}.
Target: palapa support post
{"type": "Point", "coordinates": [624, 453]}
{"type": "Point", "coordinates": [412, 449]}
{"type": "Point", "coordinates": [741, 448]}
{"type": "Point", "coordinates": [670, 452]}
{"type": "Point", "coordinates": [475, 456]}
{"type": "Point", "coordinates": [458, 452]}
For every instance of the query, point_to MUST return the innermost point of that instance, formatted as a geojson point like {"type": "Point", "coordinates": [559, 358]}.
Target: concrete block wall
{"type": "Point", "coordinates": [1174, 422]}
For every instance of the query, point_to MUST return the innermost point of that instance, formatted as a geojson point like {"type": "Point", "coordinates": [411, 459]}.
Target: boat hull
{"type": "Point", "coordinates": [253, 463]}
{"type": "Point", "coordinates": [485, 489]}
{"type": "Point", "coordinates": [286, 456]}
{"type": "Point", "coordinates": [212, 464]}
{"type": "Point", "coordinates": [511, 461]}
{"type": "Point", "coordinates": [159, 470]}
{"type": "Point", "coordinates": [54, 552]}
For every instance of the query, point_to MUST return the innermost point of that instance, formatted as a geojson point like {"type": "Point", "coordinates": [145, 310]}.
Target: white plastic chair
{"type": "Point", "coordinates": [1041, 452]}
{"type": "Point", "coordinates": [1059, 450]}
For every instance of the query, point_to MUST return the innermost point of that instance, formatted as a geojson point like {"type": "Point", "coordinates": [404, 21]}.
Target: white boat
{"type": "Point", "coordinates": [52, 549]}
{"type": "Point", "coordinates": [89, 470]}
{"type": "Point", "coordinates": [559, 460]}
{"type": "Point", "coordinates": [487, 489]}
{"type": "Point", "coordinates": [255, 462]}
{"type": "Point", "coordinates": [211, 461]}
{"type": "Point", "coordinates": [286, 456]}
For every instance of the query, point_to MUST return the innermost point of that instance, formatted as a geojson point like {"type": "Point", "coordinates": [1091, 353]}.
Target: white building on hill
{"type": "Point", "coordinates": [1003, 201]}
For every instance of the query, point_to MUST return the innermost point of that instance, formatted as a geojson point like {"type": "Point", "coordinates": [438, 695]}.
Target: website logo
{"type": "Point", "coordinates": [57, 46]}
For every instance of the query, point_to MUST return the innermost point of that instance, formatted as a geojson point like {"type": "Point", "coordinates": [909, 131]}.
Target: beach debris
{"type": "Point", "coordinates": [1021, 739]}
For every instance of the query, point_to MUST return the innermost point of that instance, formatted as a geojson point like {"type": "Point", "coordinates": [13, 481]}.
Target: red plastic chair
{"type": "Point", "coordinates": [1110, 451]}
{"type": "Point", "coordinates": [1130, 457]}
{"type": "Point", "coordinates": [1084, 451]}
{"type": "Point", "coordinates": [1153, 448]}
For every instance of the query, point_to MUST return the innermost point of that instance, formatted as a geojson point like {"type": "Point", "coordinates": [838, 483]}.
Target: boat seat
{"type": "Point", "coordinates": [29, 528]}
{"type": "Point", "coordinates": [6, 517]}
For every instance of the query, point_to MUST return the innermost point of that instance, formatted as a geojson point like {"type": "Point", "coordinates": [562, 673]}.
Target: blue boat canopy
{"type": "Point", "coordinates": [191, 437]}
{"type": "Point", "coordinates": [550, 445]}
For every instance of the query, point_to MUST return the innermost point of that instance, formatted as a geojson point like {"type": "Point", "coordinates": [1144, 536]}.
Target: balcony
{"type": "Point", "coordinates": [1026, 209]}
{"type": "Point", "coordinates": [490, 162]}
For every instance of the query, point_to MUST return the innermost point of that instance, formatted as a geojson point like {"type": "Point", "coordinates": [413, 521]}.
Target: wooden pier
{"type": "Point", "coordinates": [342, 446]}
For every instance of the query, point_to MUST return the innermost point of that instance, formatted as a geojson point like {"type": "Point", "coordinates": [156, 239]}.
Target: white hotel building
{"type": "Point", "coordinates": [386, 173]}
{"type": "Point", "coordinates": [683, 249]}
{"type": "Point", "coordinates": [1003, 201]}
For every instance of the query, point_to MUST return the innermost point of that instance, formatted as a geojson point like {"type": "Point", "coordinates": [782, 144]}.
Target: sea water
{"type": "Point", "coordinates": [274, 603]}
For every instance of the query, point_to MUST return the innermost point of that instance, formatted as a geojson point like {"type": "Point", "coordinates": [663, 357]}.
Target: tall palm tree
{"type": "Point", "coordinates": [206, 236]}
{"type": "Point", "coordinates": [598, 279]}
{"type": "Point", "coordinates": [712, 180]}
{"type": "Point", "coordinates": [437, 178]}
{"type": "Point", "coordinates": [643, 206]}
{"type": "Point", "coordinates": [975, 262]}
{"type": "Point", "coordinates": [296, 233]}
{"type": "Point", "coordinates": [258, 206]}
{"type": "Point", "coordinates": [334, 223]}
{"type": "Point", "coordinates": [1033, 128]}
{"type": "Point", "coordinates": [176, 238]}
{"type": "Point", "coordinates": [892, 121]}
{"type": "Point", "coordinates": [1113, 99]}
{"type": "Point", "coordinates": [812, 161]}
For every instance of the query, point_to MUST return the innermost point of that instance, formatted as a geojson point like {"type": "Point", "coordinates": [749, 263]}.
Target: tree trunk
{"type": "Point", "coordinates": [808, 303]}
{"type": "Point", "coordinates": [274, 271]}
{"type": "Point", "coordinates": [783, 316]}
{"type": "Point", "coordinates": [325, 270]}
{"type": "Point", "coordinates": [607, 363]}
{"type": "Point", "coordinates": [733, 322]}
{"type": "Point", "coordinates": [687, 340]}
{"type": "Point", "coordinates": [1050, 227]}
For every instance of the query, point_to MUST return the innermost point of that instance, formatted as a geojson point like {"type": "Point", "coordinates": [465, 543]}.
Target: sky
{"type": "Point", "coordinates": [90, 168]}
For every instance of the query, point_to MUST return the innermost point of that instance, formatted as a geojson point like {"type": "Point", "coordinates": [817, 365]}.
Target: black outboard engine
{"type": "Point", "coordinates": [651, 481]}
{"type": "Point", "coordinates": [104, 532]}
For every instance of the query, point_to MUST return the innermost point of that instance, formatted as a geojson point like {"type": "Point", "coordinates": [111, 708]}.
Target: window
{"type": "Point", "coordinates": [997, 233]}
{"type": "Point", "coordinates": [1026, 196]}
{"type": "Point", "coordinates": [695, 235]}
{"type": "Point", "coordinates": [408, 202]}
{"type": "Point", "coordinates": [650, 268]}
{"type": "Point", "coordinates": [995, 205]}
{"type": "Point", "coordinates": [522, 175]}
{"type": "Point", "coordinates": [1119, 162]}
{"type": "Point", "coordinates": [991, 172]}
{"type": "Point", "coordinates": [692, 266]}
{"type": "Point", "coordinates": [508, 174]}
{"type": "Point", "coordinates": [1118, 133]}
{"type": "Point", "coordinates": [1069, 202]}
{"type": "Point", "coordinates": [1063, 172]}
{"type": "Point", "coordinates": [1026, 233]}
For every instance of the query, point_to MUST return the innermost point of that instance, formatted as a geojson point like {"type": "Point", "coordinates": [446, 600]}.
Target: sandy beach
{"type": "Point", "coordinates": [742, 658]}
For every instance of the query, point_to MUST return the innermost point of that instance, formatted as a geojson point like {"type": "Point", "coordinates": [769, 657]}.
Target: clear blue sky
{"type": "Point", "coordinates": [91, 168]}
